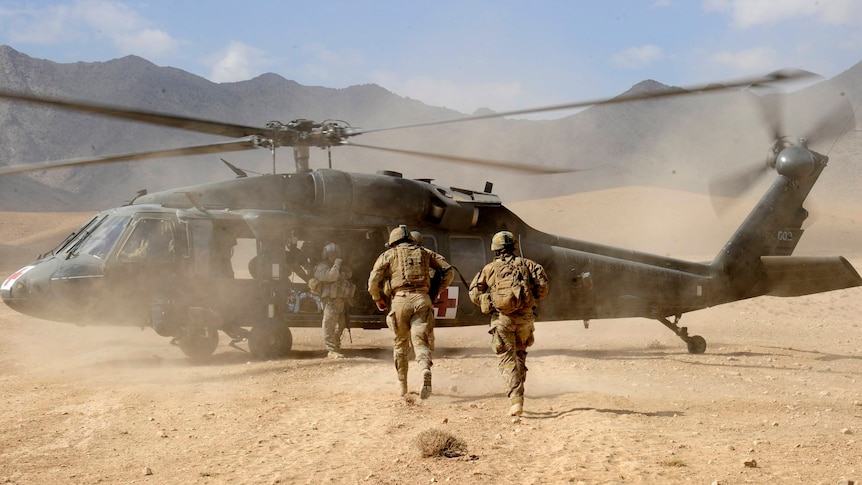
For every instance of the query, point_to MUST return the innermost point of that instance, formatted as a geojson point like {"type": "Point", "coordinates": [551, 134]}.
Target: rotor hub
{"type": "Point", "coordinates": [797, 162]}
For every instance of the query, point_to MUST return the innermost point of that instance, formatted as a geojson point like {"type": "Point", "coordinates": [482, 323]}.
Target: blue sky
{"type": "Point", "coordinates": [464, 54]}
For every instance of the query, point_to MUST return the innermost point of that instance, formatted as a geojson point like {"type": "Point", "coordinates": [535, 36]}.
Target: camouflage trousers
{"type": "Point", "coordinates": [510, 337]}
{"type": "Point", "coordinates": [411, 319]}
{"type": "Point", "coordinates": [333, 323]}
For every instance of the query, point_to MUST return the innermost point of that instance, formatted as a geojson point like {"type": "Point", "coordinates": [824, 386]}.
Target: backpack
{"type": "Point", "coordinates": [411, 269]}
{"type": "Point", "coordinates": [510, 292]}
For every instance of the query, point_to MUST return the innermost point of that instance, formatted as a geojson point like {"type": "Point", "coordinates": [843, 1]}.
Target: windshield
{"type": "Point", "coordinates": [101, 237]}
{"type": "Point", "coordinates": [73, 237]}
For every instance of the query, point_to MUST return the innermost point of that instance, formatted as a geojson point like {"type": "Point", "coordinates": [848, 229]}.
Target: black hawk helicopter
{"type": "Point", "coordinates": [234, 256]}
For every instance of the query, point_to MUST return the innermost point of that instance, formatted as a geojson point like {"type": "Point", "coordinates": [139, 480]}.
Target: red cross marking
{"type": "Point", "coordinates": [444, 303]}
{"type": "Point", "coordinates": [8, 282]}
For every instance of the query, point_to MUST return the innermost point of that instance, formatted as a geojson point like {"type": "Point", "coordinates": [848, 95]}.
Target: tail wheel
{"type": "Point", "coordinates": [198, 342]}
{"type": "Point", "coordinates": [696, 344]}
{"type": "Point", "coordinates": [270, 341]}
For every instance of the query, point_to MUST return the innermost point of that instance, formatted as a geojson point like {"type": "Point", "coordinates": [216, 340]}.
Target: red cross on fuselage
{"type": "Point", "coordinates": [444, 303]}
{"type": "Point", "coordinates": [14, 276]}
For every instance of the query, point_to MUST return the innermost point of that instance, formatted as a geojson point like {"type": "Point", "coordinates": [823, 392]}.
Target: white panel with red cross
{"type": "Point", "coordinates": [446, 306]}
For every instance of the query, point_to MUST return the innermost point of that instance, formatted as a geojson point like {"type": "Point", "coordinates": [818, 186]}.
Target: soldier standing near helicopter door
{"type": "Point", "coordinates": [406, 267]}
{"type": "Point", "coordinates": [509, 288]}
{"type": "Point", "coordinates": [335, 290]}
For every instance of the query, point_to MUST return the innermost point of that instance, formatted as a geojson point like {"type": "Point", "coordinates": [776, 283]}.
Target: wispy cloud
{"type": "Point", "coordinates": [88, 21]}
{"type": "Point", "coordinates": [753, 13]}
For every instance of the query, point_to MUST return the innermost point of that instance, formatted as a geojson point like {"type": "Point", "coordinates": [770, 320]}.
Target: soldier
{"type": "Point", "coordinates": [509, 288]}
{"type": "Point", "coordinates": [336, 290]}
{"type": "Point", "coordinates": [433, 290]}
{"type": "Point", "coordinates": [407, 269]}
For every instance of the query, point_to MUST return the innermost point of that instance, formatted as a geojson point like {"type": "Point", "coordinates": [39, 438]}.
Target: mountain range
{"type": "Point", "coordinates": [680, 142]}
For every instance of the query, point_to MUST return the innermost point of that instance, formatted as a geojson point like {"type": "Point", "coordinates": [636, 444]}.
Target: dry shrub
{"type": "Point", "coordinates": [433, 442]}
{"type": "Point", "coordinates": [655, 345]}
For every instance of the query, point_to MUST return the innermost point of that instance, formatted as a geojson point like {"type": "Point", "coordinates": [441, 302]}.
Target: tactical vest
{"type": "Point", "coordinates": [410, 268]}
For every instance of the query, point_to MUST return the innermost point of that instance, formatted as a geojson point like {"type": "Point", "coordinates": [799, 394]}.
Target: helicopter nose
{"type": "Point", "coordinates": [24, 291]}
{"type": "Point", "coordinates": [15, 287]}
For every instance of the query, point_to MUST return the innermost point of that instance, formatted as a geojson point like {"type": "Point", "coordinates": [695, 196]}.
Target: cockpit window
{"type": "Point", "coordinates": [74, 236]}
{"type": "Point", "coordinates": [152, 241]}
{"type": "Point", "coordinates": [104, 235]}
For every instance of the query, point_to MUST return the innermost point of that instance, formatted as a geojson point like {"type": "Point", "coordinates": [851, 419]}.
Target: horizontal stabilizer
{"type": "Point", "coordinates": [796, 275]}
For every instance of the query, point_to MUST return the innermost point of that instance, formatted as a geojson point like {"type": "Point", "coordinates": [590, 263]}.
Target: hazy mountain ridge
{"type": "Point", "coordinates": [672, 142]}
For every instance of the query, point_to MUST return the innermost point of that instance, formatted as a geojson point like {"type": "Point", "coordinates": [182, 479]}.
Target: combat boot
{"type": "Point", "coordinates": [426, 384]}
{"type": "Point", "coordinates": [402, 386]}
{"type": "Point", "coordinates": [517, 407]}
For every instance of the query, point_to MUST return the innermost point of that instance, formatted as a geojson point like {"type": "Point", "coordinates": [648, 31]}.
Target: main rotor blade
{"type": "Point", "coordinates": [519, 167]}
{"type": "Point", "coordinates": [775, 77]}
{"type": "Point", "coordinates": [230, 146]}
{"type": "Point", "coordinates": [161, 119]}
{"type": "Point", "coordinates": [237, 131]}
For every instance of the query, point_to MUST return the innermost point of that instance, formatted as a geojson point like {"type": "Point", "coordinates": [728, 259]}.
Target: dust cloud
{"type": "Point", "coordinates": [619, 401]}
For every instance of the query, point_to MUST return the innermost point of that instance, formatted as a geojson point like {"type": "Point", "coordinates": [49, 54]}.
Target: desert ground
{"type": "Point", "coordinates": [776, 398]}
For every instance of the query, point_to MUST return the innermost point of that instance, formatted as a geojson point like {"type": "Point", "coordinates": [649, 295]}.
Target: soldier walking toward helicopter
{"type": "Point", "coordinates": [406, 267]}
{"type": "Point", "coordinates": [509, 289]}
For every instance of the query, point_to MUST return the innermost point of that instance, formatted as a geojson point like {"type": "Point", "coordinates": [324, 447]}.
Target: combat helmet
{"type": "Point", "coordinates": [398, 235]}
{"type": "Point", "coordinates": [330, 249]}
{"type": "Point", "coordinates": [416, 237]}
{"type": "Point", "coordinates": [503, 240]}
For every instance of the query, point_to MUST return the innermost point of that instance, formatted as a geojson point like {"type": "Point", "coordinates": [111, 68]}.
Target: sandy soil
{"type": "Point", "coordinates": [776, 398]}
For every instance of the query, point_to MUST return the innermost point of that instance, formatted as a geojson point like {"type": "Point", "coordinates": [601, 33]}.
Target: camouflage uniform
{"type": "Point", "coordinates": [511, 333]}
{"type": "Point", "coordinates": [410, 314]}
{"type": "Point", "coordinates": [336, 291]}
{"type": "Point", "coordinates": [434, 290]}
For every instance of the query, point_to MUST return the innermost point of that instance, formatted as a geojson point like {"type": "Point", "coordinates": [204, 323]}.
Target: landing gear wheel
{"type": "Point", "coordinates": [198, 342]}
{"type": "Point", "coordinates": [696, 344]}
{"type": "Point", "coordinates": [270, 341]}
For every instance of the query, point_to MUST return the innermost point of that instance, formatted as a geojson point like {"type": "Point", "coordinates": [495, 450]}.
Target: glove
{"type": "Point", "coordinates": [381, 304]}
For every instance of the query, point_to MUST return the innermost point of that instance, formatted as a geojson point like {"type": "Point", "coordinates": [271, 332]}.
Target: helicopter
{"type": "Point", "coordinates": [234, 256]}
